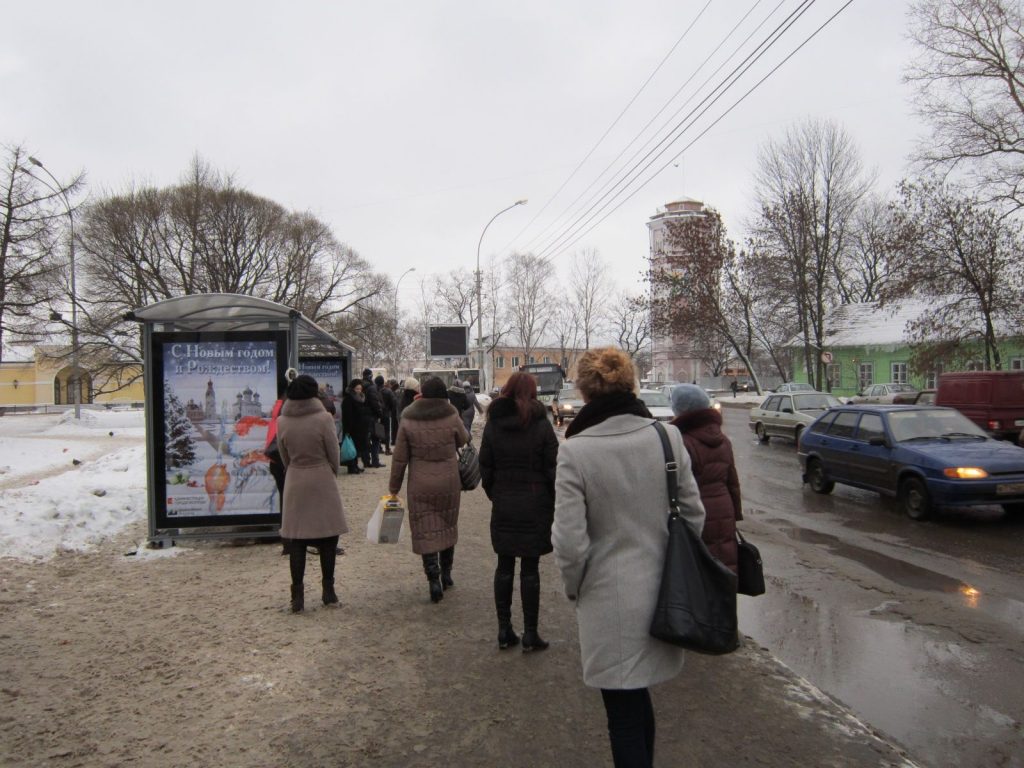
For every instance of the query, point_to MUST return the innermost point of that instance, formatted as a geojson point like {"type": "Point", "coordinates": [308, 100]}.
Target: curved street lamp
{"type": "Point", "coordinates": [62, 193]}
{"type": "Point", "coordinates": [398, 283]}
{"type": "Point", "coordinates": [479, 289]}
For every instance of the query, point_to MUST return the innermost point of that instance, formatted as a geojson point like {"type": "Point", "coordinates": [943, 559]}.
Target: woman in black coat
{"type": "Point", "coordinates": [356, 418]}
{"type": "Point", "coordinates": [518, 455]}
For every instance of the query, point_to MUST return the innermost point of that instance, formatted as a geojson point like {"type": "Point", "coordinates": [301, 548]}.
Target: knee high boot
{"type": "Point", "coordinates": [328, 555]}
{"type": "Point", "coordinates": [447, 559]}
{"type": "Point", "coordinates": [297, 566]}
{"type": "Point", "coordinates": [529, 587]}
{"type": "Point", "coordinates": [503, 583]}
{"type": "Point", "coordinates": [432, 567]}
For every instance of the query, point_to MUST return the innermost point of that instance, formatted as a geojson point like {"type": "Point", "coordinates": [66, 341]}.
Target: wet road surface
{"type": "Point", "coordinates": [917, 626]}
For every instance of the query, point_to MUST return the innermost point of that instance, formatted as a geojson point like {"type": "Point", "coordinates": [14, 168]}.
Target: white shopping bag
{"type": "Point", "coordinates": [385, 525]}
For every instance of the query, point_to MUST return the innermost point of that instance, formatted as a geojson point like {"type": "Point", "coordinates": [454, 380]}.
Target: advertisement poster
{"type": "Point", "coordinates": [329, 373]}
{"type": "Point", "coordinates": [217, 400]}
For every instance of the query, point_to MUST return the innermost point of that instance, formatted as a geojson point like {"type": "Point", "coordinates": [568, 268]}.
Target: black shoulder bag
{"type": "Point", "coordinates": [696, 606]}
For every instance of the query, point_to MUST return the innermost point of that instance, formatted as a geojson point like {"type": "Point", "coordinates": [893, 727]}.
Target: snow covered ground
{"type": "Point", "coordinates": [48, 503]}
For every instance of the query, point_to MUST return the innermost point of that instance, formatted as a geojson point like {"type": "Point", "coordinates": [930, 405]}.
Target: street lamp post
{"type": "Point", "coordinates": [76, 381]}
{"type": "Point", "coordinates": [479, 291]}
{"type": "Point", "coordinates": [398, 283]}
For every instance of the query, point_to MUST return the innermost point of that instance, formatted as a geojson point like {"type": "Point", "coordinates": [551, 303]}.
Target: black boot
{"type": "Point", "coordinates": [529, 588]}
{"type": "Point", "coordinates": [432, 568]}
{"type": "Point", "coordinates": [503, 583]}
{"type": "Point", "coordinates": [447, 558]}
{"type": "Point", "coordinates": [328, 554]}
{"type": "Point", "coordinates": [329, 595]}
{"type": "Point", "coordinates": [298, 600]}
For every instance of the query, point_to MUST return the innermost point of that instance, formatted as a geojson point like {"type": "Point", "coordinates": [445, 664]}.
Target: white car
{"type": "Point", "coordinates": [657, 403]}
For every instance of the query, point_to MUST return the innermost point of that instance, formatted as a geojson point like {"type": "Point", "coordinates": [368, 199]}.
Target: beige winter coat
{"type": "Point", "coordinates": [610, 534]}
{"type": "Point", "coordinates": [429, 433]}
{"type": "Point", "coordinates": [309, 448]}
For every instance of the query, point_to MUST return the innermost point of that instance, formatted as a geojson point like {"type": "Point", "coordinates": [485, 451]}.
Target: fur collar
{"type": "Point", "coordinates": [302, 407]}
{"type": "Point", "coordinates": [428, 409]}
{"type": "Point", "coordinates": [505, 414]}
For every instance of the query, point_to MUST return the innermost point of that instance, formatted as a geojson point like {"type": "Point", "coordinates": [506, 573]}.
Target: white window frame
{"type": "Point", "coordinates": [499, 361]}
{"type": "Point", "coordinates": [1017, 363]}
{"type": "Point", "coordinates": [899, 372]}
{"type": "Point", "coordinates": [515, 361]}
{"type": "Point", "coordinates": [865, 375]}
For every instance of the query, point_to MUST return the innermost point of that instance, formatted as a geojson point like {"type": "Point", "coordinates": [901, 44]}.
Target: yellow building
{"type": "Point", "coordinates": [45, 380]}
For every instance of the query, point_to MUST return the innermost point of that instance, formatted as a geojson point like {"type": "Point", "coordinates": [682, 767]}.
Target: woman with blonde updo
{"type": "Point", "coordinates": [609, 535]}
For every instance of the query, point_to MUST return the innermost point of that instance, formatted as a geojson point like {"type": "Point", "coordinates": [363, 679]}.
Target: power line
{"type": "Point", "coordinates": [629, 176]}
{"type": "Point", "coordinates": [701, 134]}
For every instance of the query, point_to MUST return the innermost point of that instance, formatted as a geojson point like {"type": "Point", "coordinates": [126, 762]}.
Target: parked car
{"type": "Point", "coordinates": [926, 456]}
{"type": "Point", "coordinates": [794, 386]}
{"type": "Point", "coordinates": [788, 414]}
{"type": "Point", "coordinates": [568, 405]}
{"type": "Point", "coordinates": [657, 403]}
{"type": "Point", "coordinates": [883, 393]}
{"type": "Point", "coordinates": [924, 397]}
{"type": "Point", "coordinates": [666, 390]}
{"type": "Point", "coordinates": [994, 400]}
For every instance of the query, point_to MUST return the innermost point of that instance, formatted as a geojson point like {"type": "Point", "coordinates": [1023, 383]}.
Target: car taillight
{"type": "Point", "coordinates": [965, 473]}
{"type": "Point", "coordinates": [995, 424]}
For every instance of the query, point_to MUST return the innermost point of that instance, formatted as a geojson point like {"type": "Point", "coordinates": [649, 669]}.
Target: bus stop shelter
{"type": "Point", "coordinates": [214, 365]}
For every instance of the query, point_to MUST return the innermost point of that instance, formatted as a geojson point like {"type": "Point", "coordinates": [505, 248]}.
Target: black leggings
{"type": "Point", "coordinates": [630, 727]}
{"type": "Point", "coordinates": [527, 565]}
{"type": "Point", "coordinates": [297, 557]}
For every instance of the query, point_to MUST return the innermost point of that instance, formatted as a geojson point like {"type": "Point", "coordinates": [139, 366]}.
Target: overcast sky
{"type": "Point", "coordinates": [407, 125]}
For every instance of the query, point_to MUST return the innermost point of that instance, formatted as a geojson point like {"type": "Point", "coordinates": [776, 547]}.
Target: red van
{"type": "Point", "coordinates": [994, 400]}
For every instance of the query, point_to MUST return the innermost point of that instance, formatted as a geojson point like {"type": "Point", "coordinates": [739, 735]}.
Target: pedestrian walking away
{"type": "Point", "coordinates": [714, 469]}
{"type": "Point", "coordinates": [390, 413]}
{"type": "Point", "coordinates": [473, 406]}
{"type": "Point", "coordinates": [429, 434]}
{"type": "Point", "coordinates": [609, 537]}
{"type": "Point", "coordinates": [313, 511]}
{"type": "Point", "coordinates": [518, 454]}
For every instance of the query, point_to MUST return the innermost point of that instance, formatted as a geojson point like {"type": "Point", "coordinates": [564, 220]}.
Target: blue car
{"type": "Point", "coordinates": [925, 456]}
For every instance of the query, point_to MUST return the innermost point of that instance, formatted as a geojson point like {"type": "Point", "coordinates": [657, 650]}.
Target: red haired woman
{"type": "Point", "coordinates": [518, 456]}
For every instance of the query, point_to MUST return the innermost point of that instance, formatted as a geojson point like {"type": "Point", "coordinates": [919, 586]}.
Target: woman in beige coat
{"type": "Point", "coordinates": [313, 514]}
{"type": "Point", "coordinates": [429, 434]}
{"type": "Point", "coordinates": [610, 534]}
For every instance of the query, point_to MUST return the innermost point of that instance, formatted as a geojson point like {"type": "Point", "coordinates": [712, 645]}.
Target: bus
{"type": "Point", "coordinates": [549, 377]}
{"type": "Point", "coordinates": [472, 375]}
{"type": "Point", "coordinates": [447, 375]}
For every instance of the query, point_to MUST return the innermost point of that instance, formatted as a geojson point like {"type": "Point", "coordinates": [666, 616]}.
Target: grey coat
{"type": "Point", "coordinates": [609, 535]}
{"type": "Point", "coordinates": [309, 449]}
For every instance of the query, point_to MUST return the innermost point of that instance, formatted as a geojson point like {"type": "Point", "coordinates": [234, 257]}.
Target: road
{"type": "Point", "coordinates": [918, 627]}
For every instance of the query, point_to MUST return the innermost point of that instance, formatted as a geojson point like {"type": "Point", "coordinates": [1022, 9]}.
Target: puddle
{"type": "Point", "coordinates": [948, 702]}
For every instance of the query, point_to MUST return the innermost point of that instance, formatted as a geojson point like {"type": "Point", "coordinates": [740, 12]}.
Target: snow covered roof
{"type": "Point", "coordinates": [232, 312]}
{"type": "Point", "coordinates": [868, 325]}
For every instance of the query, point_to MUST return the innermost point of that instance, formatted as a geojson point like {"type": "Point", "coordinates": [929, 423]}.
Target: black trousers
{"type": "Point", "coordinates": [328, 554]}
{"type": "Point", "coordinates": [527, 565]}
{"type": "Point", "coordinates": [630, 727]}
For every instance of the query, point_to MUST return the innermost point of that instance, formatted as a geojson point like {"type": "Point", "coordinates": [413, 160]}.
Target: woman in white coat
{"type": "Point", "coordinates": [609, 536]}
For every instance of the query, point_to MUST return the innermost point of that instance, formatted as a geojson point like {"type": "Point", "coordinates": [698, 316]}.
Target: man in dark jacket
{"type": "Point", "coordinates": [376, 406]}
{"type": "Point", "coordinates": [389, 411]}
{"type": "Point", "coordinates": [457, 397]}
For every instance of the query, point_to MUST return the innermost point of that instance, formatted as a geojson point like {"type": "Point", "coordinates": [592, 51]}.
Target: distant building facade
{"type": "Point", "coordinates": [672, 358]}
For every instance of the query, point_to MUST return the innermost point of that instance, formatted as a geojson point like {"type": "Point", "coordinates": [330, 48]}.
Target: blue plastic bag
{"type": "Point", "coordinates": [348, 449]}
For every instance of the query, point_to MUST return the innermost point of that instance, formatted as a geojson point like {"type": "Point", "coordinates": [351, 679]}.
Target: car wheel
{"type": "Point", "coordinates": [916, 503]}
{"type": "Point", "coordinates": [817, 478]}
{"type": "Point", "coordinates": [761, 434]}
{"type": "Point", "coordinates": [796, 434]}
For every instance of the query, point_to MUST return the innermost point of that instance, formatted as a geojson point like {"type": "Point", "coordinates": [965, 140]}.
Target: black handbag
{"type": "Point", "coordinates": [378, 430]}
{"type": "Point", "coordinates": [272, 452]}
{"type": "Point", "coordinates": [749, 567]}
{"type": "Point", "coordinates": [696, 606]}
{"type": "Point", "coordinates": [469, 467]}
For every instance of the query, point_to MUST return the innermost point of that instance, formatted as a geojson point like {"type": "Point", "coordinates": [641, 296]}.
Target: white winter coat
{"type": "Point", "coordinates": [609, 536]}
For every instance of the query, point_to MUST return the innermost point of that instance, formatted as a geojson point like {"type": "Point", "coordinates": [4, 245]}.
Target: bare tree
{"type": "Point", "coordinates": [963, 258]}
{"type": "Point", "coordinates": [34, 238]}
{"type": "Point", "coordinates": [864, 269]}
{"type": "Point", "coordinates": [529, 300]}
{"type": "Point", "coordinates": [590, 289]}
{"type": "Point", "coordinates": [808, 188]}
{"type": "Point", "coordinates": [630, 321]}
{"type": "Point", "coordinates": [700, 290]}
{"type": "Point", "coordinates": [455, 295]}
{"type": "Point", "coordinates": [565, 329]}
{"type": "Point", "coordinates": [970, 88]}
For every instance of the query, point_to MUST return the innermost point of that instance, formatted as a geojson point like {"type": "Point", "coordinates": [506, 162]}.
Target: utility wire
{"type": "Point", "coordinates": [702, 133]}
{"type": "Point", "coordinates": [630, 176]}
{"type": "Point", "coordinates": [739, 47]}
{"type": "Point", "coordinates": [612, 126]}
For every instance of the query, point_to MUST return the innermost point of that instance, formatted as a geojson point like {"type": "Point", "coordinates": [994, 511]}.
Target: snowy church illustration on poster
{"type": "Point", "coordinates": [218, 396]}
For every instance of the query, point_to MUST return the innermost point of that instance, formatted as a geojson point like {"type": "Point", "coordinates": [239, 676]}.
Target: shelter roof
{"type": "Point", "coordinates": [218, 312]}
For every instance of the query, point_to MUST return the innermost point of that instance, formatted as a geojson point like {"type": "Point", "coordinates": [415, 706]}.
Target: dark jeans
{"type": "Point", "coordinates": [527, 565]}
{"type": "Point", "coordinates": [328, 554]}
{"type": "Point", "coordinates": [630, 727]}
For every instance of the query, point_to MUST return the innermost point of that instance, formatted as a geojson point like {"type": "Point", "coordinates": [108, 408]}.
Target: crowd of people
{"type": "Point", "coordinates": [597, 500]}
